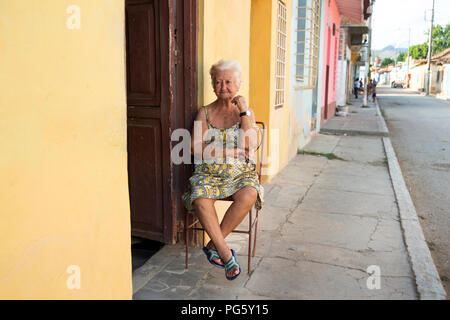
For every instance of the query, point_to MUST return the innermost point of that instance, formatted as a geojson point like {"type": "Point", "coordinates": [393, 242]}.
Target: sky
{"type": "Point", "coordinates": [392, 18]}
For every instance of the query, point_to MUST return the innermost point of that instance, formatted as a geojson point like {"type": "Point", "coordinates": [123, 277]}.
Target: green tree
{"type": "Point", "coordinates": [441, 38]}
{"type": "Point", "coordinates": [441, 41]}
{"type": "Point", "coordinates": [419, 51]}
{"type": "Point", "coordinates": [401, 57]}
{"type": "Point", "coordinates": [387, 61]}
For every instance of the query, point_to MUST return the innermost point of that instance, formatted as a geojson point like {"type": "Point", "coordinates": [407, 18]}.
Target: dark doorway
{"type": "Point", "coordinates": [327, 78]}
{"type": "Point", "coordinates": [142, 250]}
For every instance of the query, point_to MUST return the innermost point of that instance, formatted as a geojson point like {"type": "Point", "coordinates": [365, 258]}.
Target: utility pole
{"type": "Point", "coordinates": [430, 47]}
{"type": "Point", "coordinates": [368, 54]}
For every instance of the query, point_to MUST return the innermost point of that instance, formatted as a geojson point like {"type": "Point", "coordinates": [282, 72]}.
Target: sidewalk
{"type": "Point", "coordinates": [324, 223]}
{"type": "Point", "coordinates": [360, 121]}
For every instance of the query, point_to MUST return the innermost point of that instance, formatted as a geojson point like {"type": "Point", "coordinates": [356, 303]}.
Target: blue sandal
{"type": "Point", "coordinates": [212, 254]}
{"type": "Point", "coordinates": [231, 264]}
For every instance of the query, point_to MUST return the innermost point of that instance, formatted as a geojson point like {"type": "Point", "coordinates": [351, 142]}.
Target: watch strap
{"type": "Point", "coordinates": [246, 113]}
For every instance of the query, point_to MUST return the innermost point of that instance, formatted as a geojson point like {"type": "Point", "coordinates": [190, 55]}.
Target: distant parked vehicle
{"type": "Point", "coordinates": [397, 84]}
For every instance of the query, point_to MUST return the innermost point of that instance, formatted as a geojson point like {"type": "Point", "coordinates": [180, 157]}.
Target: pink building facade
{"type": "Point", "coordinates": [330, 46]}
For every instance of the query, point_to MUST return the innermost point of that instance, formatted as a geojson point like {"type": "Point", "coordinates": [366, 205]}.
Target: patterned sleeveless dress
{"type": "Point", "coordinates": [221, 178]}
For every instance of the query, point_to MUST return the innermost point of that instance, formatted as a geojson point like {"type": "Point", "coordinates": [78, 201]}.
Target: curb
{"type": "Point", "coordinates": [382, 121]}
{"type": "Point", "coordinates": [428, 283]}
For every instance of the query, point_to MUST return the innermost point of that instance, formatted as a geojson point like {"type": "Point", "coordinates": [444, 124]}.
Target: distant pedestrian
{"type": "Point", "coordinates": [356, 88]}
{"type": "Point", "coordinates": [361, 85]}
{"type": "Point", "coordinates": [369, 88]}
{"type": "Point", "coordinates": [374, 93]}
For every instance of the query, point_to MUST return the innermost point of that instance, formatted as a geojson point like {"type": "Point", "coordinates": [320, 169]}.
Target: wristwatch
{"type": "Point", "coordinates": [246, 113]}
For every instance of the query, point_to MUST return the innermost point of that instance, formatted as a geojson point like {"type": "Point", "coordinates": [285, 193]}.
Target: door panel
{"type": "Point", "coordinates": [143, 58]}
{"type": "Point", "coordinates": [145, 110]}
{"type": "Point", "coordinates": [145, 178]}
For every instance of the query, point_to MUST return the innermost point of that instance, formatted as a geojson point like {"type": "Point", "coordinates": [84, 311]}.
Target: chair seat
{"type": "Point", "coordinates": [230, 198]}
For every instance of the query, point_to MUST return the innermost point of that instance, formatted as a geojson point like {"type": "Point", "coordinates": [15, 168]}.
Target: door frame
{"type": "Point", "coordinates": [179, 101]}
{"type": "Point", "coordinates": [185, 105]}
{"type": "Point", "coordinates": [167, 106]}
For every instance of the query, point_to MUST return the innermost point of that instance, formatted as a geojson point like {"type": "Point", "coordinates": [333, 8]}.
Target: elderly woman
{"type": "Point", "coordinates": [226, 168]}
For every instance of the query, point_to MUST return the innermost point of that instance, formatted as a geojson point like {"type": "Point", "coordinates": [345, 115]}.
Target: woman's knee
{"type": "Point", "coordinates": [247, 195]}
{"type": "Point", "coordinates": [203, 204]}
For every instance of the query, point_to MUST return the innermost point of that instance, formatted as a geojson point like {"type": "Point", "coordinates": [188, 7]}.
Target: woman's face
{"type": "Point", "coordinates": [224, 84]}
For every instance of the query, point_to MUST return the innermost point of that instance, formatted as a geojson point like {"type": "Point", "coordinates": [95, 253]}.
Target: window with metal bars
{"type": "Point", "coordinates": [280, 67]}
{"type": "Point", "coordinates": [308, 32]}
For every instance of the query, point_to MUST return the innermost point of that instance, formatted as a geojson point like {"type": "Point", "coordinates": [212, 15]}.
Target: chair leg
{"type": "Point", "coordinates": [256, 231]}
{"type": "Point", "coordinates": [186, 238]}
{"type": "Point", "coordinates": [250, 242]}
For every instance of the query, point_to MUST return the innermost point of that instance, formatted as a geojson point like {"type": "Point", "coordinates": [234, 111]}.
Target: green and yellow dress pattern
{"type": "Point", "coordinates": [221, 178]}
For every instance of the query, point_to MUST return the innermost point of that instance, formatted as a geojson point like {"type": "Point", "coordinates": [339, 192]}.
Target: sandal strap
{"type": "Point", "coordinates": [231, 264]}
{"type": "Point", "coordinates": [213, 254]}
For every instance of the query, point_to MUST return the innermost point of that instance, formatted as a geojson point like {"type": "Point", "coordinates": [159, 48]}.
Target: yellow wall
{"type": "Point", "coordinates": [280, 118]}
{"type": "Point", "coordinates": [262, 91]}
{"type": "Point", "coordinates": [224, 32]}
{"type": "Point", "coordinates": [261, 80]}
{"type": "Point", "coordinates": [63, 169]}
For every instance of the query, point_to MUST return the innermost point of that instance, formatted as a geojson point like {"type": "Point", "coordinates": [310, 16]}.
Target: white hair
{"type": "Point", "coordinates": [225, 64]}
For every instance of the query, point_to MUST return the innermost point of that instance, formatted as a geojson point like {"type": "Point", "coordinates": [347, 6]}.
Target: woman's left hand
{"type": "Point", "coordinates": [240, 102]}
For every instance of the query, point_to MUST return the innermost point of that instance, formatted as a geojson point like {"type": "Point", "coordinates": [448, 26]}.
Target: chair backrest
{"type": "Point", "coordinates": [260, 149]}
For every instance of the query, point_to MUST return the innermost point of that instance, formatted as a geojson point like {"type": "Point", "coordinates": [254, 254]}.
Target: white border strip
{"type": "Point", "coordinates": [428, 283]}
{"type": "Point", "coordinates": [381, 123]}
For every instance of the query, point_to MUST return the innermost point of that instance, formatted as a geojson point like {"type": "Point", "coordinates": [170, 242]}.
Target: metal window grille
{"type": "Point", "coordinates": [308, 32]}
{"type": "Point", "coordinates": [280, 67]}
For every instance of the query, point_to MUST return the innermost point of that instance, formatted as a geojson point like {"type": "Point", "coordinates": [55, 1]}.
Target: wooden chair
{"type": "Point", "coordinates": [253, 224]}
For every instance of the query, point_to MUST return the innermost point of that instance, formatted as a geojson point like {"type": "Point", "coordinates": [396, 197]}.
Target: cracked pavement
{"type": "Point", "coordinates": [323, 224]}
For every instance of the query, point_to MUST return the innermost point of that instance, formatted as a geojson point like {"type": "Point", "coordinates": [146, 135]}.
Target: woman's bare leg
{"type": "Point", "coordinates": [206, 213]}
{"type": "Point", "coordinates": [244, 199]}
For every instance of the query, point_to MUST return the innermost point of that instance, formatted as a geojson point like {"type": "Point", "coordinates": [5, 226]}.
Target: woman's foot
{"type": "Point", "coordinates": [232, 268]}
{"type": "Point", "coordinates": [231, 273]}
{"type": "Point", "coordinates": [211, 245]}
{"type": "Point", "coordinates": [225, 258]}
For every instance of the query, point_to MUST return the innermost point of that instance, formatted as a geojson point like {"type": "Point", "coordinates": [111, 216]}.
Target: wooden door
{"type": "Point", "coordinates": [327, 76]}
{"type": "Point", "coordinates": [149, 101]}
{"type": "Point", "coordinates": [327, 86]}
{"type": "Point", "coordinates": [161, 42]}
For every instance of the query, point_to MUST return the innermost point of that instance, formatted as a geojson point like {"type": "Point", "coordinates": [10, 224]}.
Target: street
{"type": "Point", "coordinates": [419, 129]}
